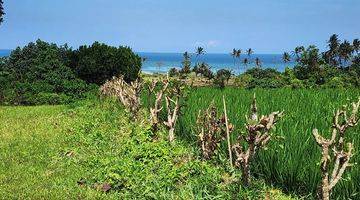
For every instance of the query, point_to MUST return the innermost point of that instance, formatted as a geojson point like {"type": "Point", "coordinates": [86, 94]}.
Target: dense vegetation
{"type": "Point", "coordinates": [338, 67]}
{"type": "Point", "coordinates": [153, 145]}
{"type": "Point", "coordinates": [43, 73]}
{"type": "Point", "coordinates": [100, 62]}
{"type": "Point", "coordinates": [91, 150]}
{"type": "Point", "coordinates": [290, 161]}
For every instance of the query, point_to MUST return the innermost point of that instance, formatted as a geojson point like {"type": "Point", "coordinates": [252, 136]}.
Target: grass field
{"type": "Point", "coordinates": [76, 151]}
{"type": "Point", "coordinates": [33, 148]}
{"type": "Point", "coordinates": [292, 163]}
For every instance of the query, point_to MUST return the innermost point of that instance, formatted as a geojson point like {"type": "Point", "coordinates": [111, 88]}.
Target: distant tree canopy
{"type": "Point", "coordinates": [2, 13]}
{"type": "Point", "coordinates": [100, 62]}
{"type": "Point", "coordinates": [44, 73]}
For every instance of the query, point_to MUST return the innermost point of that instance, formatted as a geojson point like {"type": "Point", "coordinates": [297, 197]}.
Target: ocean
{"type": "Point", "coordinates": [162, 62]}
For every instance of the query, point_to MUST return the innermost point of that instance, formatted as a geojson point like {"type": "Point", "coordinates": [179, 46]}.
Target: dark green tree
{"type": "Point", "coordinates": [345, 52]}
{"type": "Point", "coordinates": [2, 13]}
{"type": "Point", "coordinates": [356, 45]}
{"type": "Point", "coordinates": [286, 57]}
{"type": "Point", "coordinates": [333, 53]}
{"type": "Point", "coordinates": [186, 64]}
{"type": "Point", "coordinates": [39, 73]}
{"type": "Point", "coordinates": [297, 51]}
{"type": "Point", "coordinates": [233, 54]}
{"type": "Point", "coordinates": [222, 76]}
{"type": "Point", "coordinates": [199, 51]}
{"type": "Point", "coordinates": [99, 62]}
{"type": "Point", "coordinates": [258, 62]}
{"type": "Point", "coordinates": [249, 52]}
{"type": "Point", "coordinates": [246, 61]}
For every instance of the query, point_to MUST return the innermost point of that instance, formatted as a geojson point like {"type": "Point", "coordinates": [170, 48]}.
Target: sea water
{"type": "Point", "coordinates": [162, 62]}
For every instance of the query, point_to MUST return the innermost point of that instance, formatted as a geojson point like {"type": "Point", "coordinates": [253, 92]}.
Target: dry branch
{"type": "Point", "coordinates": [154, 111]}
{"type": "Point", "coordinates": [212, 130]}
{"type": "Point", "coordinates": [258, 135]}
{"type": "Point", "coordinates": [228, 134]}
{"type": "Point", "coordinates": [127, 94]}
{"type": "Point", "coordinates": [341, 156]}
{"type": "Point", "coordinates": [172, 115]}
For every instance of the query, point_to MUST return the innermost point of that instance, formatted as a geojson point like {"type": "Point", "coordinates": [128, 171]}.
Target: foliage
{"type": "Point", "coordinates": [222, 76]}
{"type": "Point", "coordinates": [263, 78]}
{"type": "Point", "coordinates": [39, 70]}
{"type": "Point", "coordinates": [92, 150]}
{"type": "Point", "coordinates": [186, 64]}
{"type": "Point", "coordinates": [100, 62]}
{"type": "Point", "coordinates": [204, 70]}
{"type": "Point", "coordinates": [286, 161]}
{"type": "Point", "coordinates": [173, 72]}
{"type": "Point", "coordinates": [2, 13]}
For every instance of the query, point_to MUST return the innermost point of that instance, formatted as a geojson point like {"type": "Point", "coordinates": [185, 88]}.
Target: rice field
{"type": "Point", "coordinates": [291, 163]}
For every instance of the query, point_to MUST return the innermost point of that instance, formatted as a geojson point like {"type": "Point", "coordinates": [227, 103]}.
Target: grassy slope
{"type": "Point", "coordinates": [47, 150]}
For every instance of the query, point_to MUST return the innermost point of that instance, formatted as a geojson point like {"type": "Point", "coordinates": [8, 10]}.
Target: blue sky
{"type": "Point", "coordinates": [268, 26]}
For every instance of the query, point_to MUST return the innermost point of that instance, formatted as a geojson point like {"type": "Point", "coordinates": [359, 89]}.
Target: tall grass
{"type": "Point", "coordinates": [291, 163]}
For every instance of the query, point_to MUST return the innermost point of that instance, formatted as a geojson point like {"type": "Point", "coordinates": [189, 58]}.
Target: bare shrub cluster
{"type": "Point", "coordinates": [337, 162]}
{"type": "Point", "coordinates": [127, 94]}
{"type": "Point", "coordinates": [211, 130]}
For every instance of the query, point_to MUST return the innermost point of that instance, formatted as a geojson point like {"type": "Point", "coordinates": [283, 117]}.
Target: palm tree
{"type": "Point", "coordinates": [297, 51]}
{"type": "Point", "coordinates": [356, 45]}
{"type": "Point", "coordinates": [249, 52]}
{"type": "Point", "coordinates": [246, 62]}
{"type": "Point", "coordinates": [199, 51]}
{"type": "Point", "coordinates": [233, 54]}
{"type": "Point", "coordinates": [186, 68]}
{"type": "Point", "coordinates": [238, 55]}
{"type": "Point", "coordinates": [257, 62]}
{"type": "Point", "coordinates": [333, 44]}
{"type": "Point", "coordinates": [345, 51]}
{"type": "Point", "coordinates": [1, 11]}
{"type": "Point", "coordinates": [286, 57]}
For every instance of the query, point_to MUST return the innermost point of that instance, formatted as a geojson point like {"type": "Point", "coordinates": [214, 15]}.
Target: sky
{"type": "Point", "coordinates": [267, 26]}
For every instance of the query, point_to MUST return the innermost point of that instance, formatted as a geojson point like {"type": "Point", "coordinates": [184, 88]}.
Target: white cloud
{"type": "Point", "coordinates": [212, 43]}
{"type": "Point", "coordinates": [207, 44]}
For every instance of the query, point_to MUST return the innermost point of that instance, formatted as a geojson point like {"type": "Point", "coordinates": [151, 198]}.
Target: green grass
{"type": "Point", "coordinates": [69, 152]}
{"type": "Point", "coordinates": [292, 163]}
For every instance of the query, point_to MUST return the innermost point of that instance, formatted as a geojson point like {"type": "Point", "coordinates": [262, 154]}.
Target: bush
{"type": "Point", "coordinates": [243, 80]}
{"type": "Point", "coordinates": [335, 82]}
{"type": "Point", "coordinates": [99, 62]}
{"type": "Point", "coordinates": [222, 76]}
{"type": "Point", "coordinates": [263, 78]}
{"type": "Point", "coordinates": [173, 72]}
{"type": "Point", "coordinates": [37, 69]}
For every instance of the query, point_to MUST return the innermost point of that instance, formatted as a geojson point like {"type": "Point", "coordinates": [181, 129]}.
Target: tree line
{"type": "Point", "coordinates": [45, 73]}
{"type": "Point", "coordinates": [338, 66]}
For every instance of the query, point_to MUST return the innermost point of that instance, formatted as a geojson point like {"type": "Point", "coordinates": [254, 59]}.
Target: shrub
{"type": "Point", "coordinates": [222, 76]}
{"type": "Point", "coordinates": [99, 62]}
{"type": "Point", "coordinates": [243, 80]}
{"type": "Point", "coordinates": [173, 72]}
{"type": "Point", "coordinates": [37, 68]}
{"type": "Point", "coordinates": [264, 78]}
{"type": "Point", "coordinates": [335, 82]}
